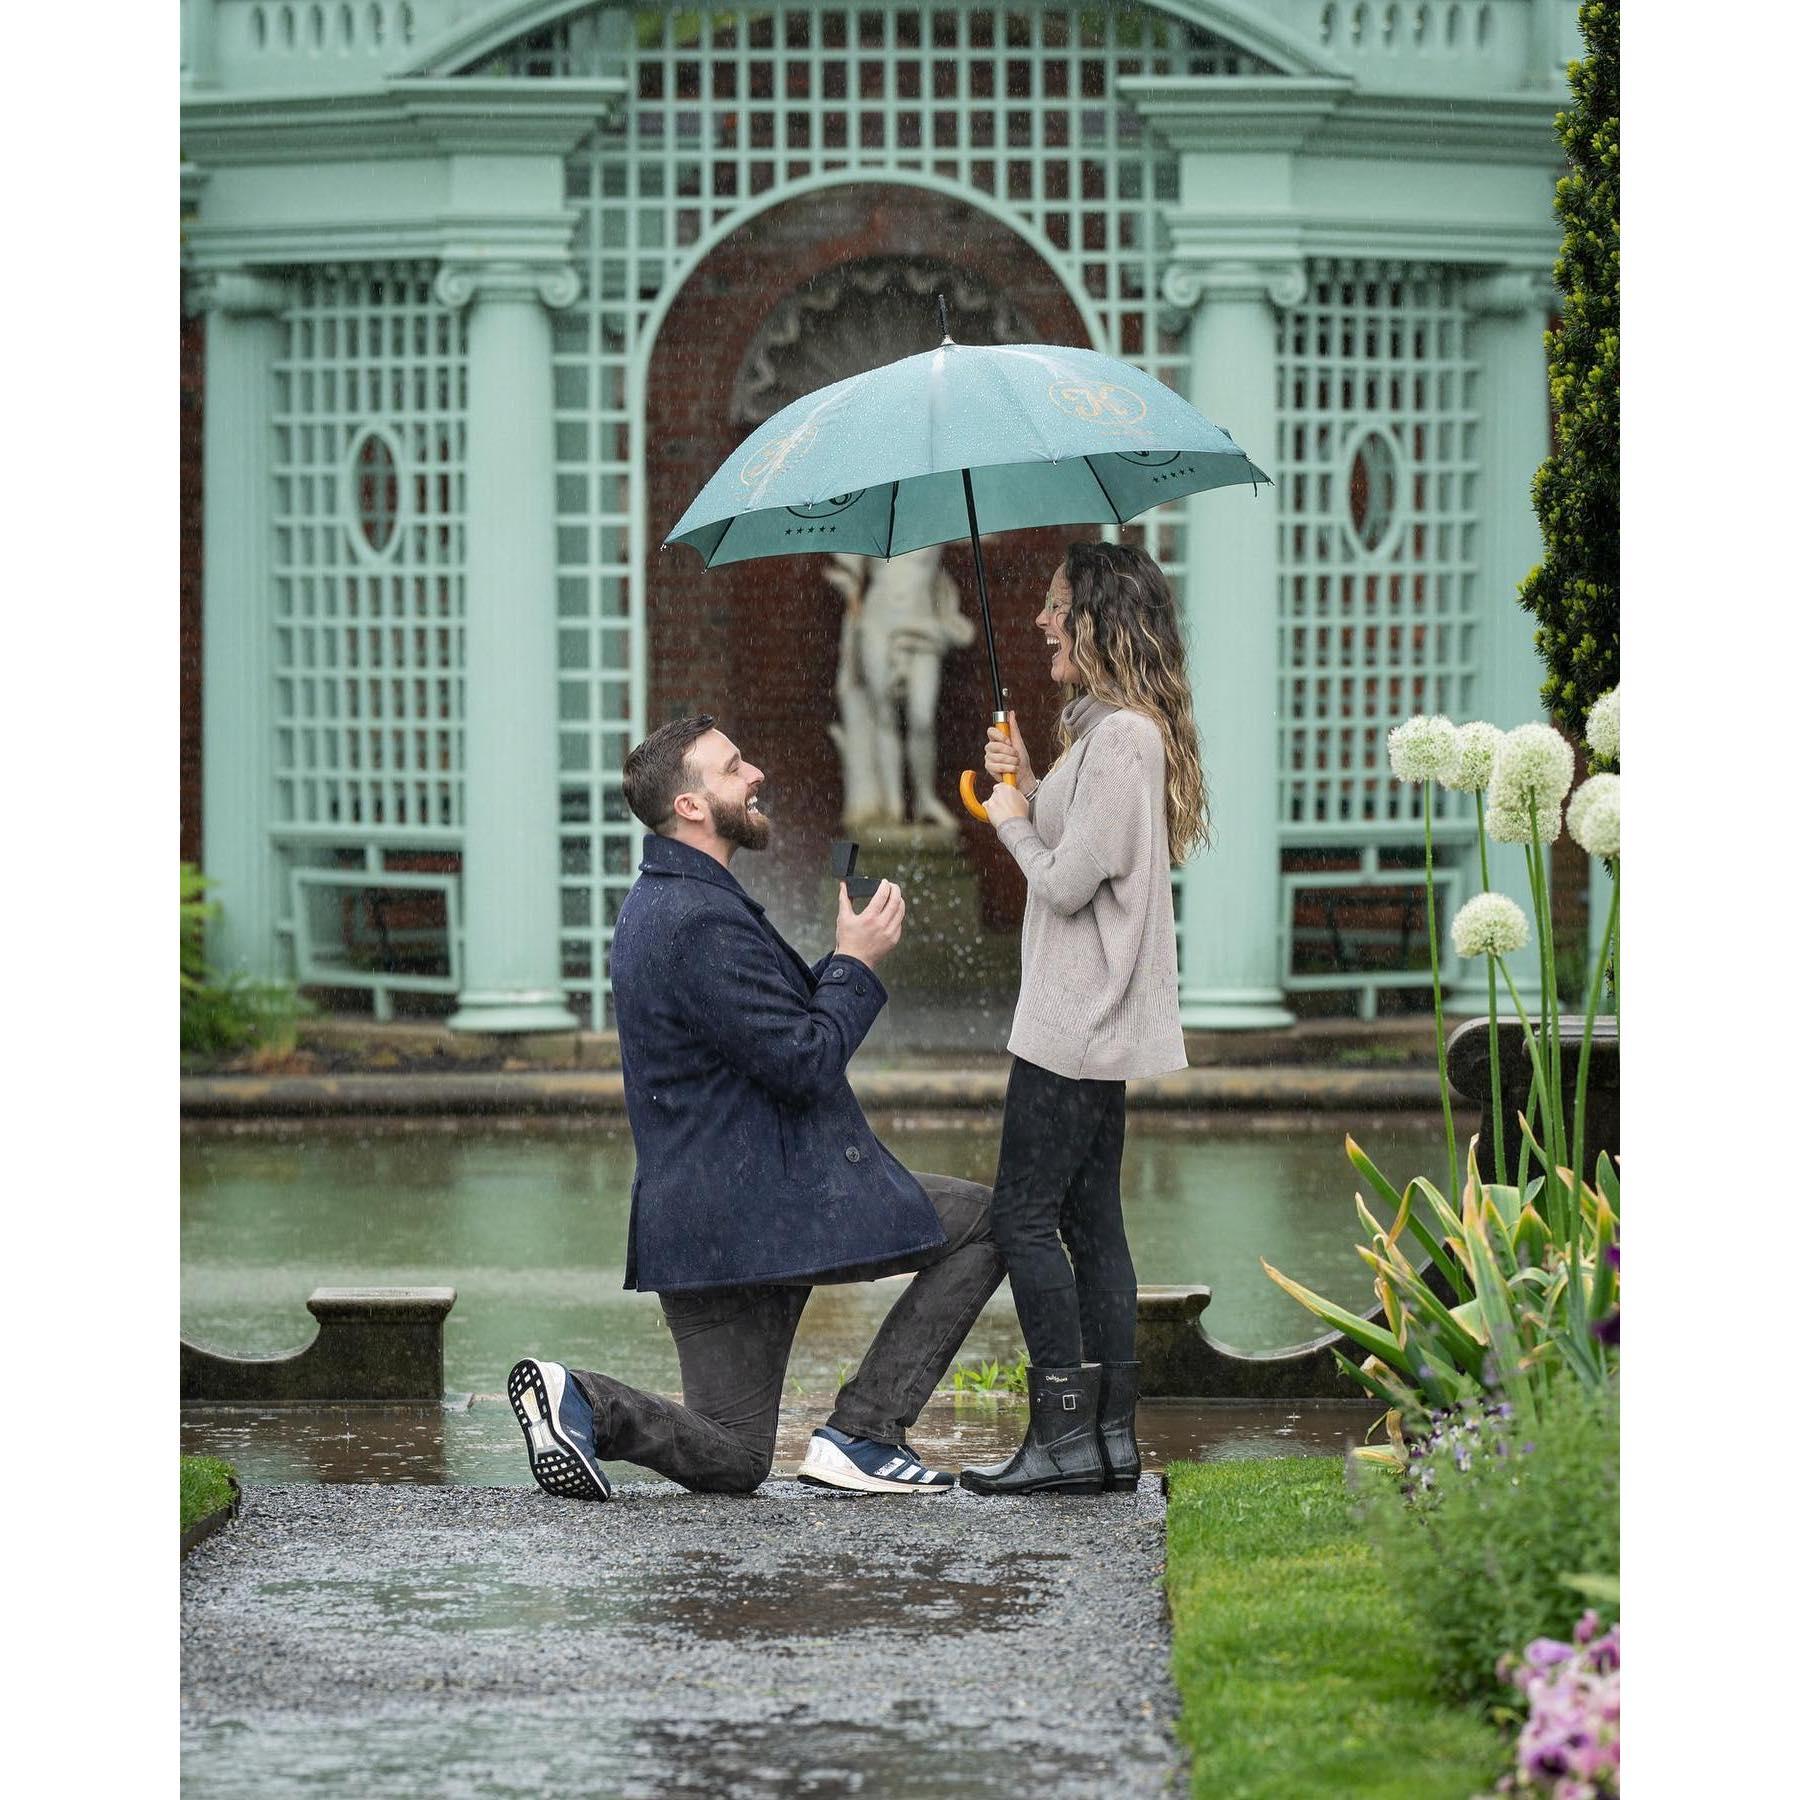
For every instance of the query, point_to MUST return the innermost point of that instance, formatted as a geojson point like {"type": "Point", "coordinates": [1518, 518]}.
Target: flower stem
{"type": "Point", "coordinates": [1531, 1105]}
{"type": "Point", "coordinates": [1437, 1002]}
{"type": "Point", "coordinates": [1587, 1031]}
{"type": "Point", "coordinates": [1552, 1094]}
{"type": "Point", "coordinates": [1540, 1088]}
{"type": "Point", "coordinates": [1537, 1063]}
{"type": "Point", "coordinates": [1498, 1158]}
{"type": "Point", "coordinates": [1556, 1129]}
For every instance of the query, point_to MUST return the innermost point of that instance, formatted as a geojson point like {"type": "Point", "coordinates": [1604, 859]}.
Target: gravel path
{"type": "Point", "coordinates": [416, 1641]}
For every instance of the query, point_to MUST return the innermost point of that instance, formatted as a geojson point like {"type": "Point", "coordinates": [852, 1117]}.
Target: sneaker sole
{"type": "Point", "coordinates": [826, 1466]}
{"type": "Point", "coordinates": [558, 1466]}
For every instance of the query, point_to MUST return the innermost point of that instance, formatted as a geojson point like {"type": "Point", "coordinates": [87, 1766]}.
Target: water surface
{"type": "Point", "coordinates": [527, 1223]}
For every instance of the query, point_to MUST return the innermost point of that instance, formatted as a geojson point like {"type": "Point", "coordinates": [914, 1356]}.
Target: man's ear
{"type": "Point", "coordinates": [689, 807]}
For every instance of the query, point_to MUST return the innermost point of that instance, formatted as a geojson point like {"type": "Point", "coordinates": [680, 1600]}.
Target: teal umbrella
{"type": "Point", "coordinates": [954, 441]}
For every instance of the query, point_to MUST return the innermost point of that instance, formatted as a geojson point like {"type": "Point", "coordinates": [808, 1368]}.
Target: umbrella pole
{"type": "Point", "coordinates": [967, 785]}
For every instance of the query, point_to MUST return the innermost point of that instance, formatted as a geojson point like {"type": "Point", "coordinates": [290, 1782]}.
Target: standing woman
{"type": "Point", "coordinates": [1097, 1001]}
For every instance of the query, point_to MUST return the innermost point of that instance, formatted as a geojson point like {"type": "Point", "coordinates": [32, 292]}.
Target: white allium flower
{"type": "Point", "coordinates": [1477, 744]}
{"type": "Point", "coordinates": [1489, 925]}
{"type": "Point", "coordinates": [1512, 824]}
{"type": "Point", "coordinates": [1594, 815]}
{"type": "Point", "coordinates": [1534, 763]}
{"type": "Point", "coordinates": [1424, 748]}
{"type": "Point", "coordinates": [1603, 726]}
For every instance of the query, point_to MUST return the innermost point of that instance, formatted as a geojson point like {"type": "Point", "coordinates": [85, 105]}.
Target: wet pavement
{"type": "Point", "coordinates": [409, 1640]}
{"type": "Point", "coordinates": [478, 1444]}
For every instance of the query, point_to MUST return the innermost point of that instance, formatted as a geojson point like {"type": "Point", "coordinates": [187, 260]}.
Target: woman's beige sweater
{"type": "Point", "coordinates": [1097, 987]}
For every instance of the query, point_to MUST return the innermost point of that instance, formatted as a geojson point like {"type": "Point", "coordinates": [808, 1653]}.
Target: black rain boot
{"type": "Point", "coordinates": [1118, 1426]}
{"type": "Point", "coordinates": [1061, 1451]}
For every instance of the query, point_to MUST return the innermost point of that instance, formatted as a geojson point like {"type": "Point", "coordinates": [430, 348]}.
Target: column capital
{"type": "Point", "coordinates": [1508, 293]}
{"type": "Point", "coordinates": [552, 284]}
{"type": "Point", "coordinates": [1279, 280]}
{"type": "Point", "coordinates": [236, 291]}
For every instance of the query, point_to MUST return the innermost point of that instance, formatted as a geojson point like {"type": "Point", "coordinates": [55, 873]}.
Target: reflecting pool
{"type": "Point", "coordinates": [527, 1223]}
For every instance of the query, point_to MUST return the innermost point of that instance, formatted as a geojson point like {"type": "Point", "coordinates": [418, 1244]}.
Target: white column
{"type": "Point", "coordinates": [512, 909]}
{"type": "Point", "coordinates": [1599, 901]}
{"type": "Point", "coordinates": [243, 339]}
{"type": "Point", "coordinates": [1513, 400]}
{"type": "Point", "coordinates": [1543, 70]}
{"type": "Point", "coordinates": [1231, 894]}
{"type": "Point", "coordinates": [200, 43]}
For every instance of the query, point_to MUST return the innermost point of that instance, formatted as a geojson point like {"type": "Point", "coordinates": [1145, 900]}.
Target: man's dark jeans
{"type": "Point", "coordinates": [734, 1345]}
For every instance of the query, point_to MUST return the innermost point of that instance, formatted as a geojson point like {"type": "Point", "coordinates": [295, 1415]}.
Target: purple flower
{"type": "Point", "coordinates": [1568, 1747]}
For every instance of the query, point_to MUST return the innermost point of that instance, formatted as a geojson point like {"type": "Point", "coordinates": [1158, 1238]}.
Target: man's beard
{"type": "Point", "coordinates": [737, 824]}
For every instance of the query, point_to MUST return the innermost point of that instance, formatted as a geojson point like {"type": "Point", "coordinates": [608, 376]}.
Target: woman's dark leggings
{"type": "Point", "coordinates": [1058, 1184]}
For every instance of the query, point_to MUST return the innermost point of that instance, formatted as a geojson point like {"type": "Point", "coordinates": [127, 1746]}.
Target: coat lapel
{"type": "Point", "coordinates": [664, 856]}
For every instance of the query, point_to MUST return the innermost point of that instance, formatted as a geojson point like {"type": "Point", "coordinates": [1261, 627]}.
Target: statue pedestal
{"type": "Point", "coordinates": [943, 949]}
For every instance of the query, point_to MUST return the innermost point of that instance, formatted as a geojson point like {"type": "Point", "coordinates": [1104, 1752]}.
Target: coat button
{"type": "Point", "coordinates": [852, 1154]}
{"type": "Point", "coordinates": [862, 987]}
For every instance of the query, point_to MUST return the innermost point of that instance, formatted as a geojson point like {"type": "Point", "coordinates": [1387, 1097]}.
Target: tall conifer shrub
{"type": "Point", "coordinates": [1574, 591]}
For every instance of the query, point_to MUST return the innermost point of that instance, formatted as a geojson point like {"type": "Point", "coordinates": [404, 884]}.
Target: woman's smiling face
{"type": "Point", "coordinates": [1053, 622]}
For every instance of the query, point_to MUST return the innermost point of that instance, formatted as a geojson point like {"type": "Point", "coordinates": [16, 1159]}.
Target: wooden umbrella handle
{"type": "Point", "coordinates": [966, 787]}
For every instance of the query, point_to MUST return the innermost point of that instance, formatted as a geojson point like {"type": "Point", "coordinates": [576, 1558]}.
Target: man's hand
{"type": "Point", "coordinates": [1006, 803]}
{"type": "Point", "coordinates": [870, 934]}
{"type": "Point", "coordinates": [1006, 755]}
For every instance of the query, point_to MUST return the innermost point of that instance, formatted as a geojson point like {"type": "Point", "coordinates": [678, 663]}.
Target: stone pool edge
{"type": "Point", "coordinates": [1208, 1089]}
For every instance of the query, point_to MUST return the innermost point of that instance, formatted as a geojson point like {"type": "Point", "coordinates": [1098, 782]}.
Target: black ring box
{"type": "Point", "coordinates": [843, 863]}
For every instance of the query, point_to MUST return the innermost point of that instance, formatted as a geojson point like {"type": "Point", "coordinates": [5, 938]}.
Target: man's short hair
{"type": "Point", "coordinates": [658, 769]}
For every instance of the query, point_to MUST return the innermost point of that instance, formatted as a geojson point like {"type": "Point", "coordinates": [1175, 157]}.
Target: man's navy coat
{"type": "Point", "coordinates": [754, 1161]}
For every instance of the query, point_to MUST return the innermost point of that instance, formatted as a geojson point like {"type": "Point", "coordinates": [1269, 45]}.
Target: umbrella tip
{"type": "Point", "coordinates": [943, 318]}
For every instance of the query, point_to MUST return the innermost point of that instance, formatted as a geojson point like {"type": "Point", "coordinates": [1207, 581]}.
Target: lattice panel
{"type": "Point", "coordinates": [1377, 477]}
{"type": "Point", "coordinates": [730, 106]}
{"type": "Point", "coordinates": [368, 520]}
{"type": "Point", "coordinates": [370, 400]}
{"type": "Point", "coordinates": [1378, 467]}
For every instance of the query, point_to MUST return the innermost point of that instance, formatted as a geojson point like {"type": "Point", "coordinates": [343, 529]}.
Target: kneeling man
{"type": "Point", "coordinates": [757, 1175]}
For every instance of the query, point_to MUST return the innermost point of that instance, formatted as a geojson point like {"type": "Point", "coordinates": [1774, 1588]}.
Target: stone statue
{"type": "Point", "coordinates": [900, 616]}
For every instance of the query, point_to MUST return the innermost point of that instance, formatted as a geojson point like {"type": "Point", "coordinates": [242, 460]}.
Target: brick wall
{"type": "Point", "coordinates": [757, 642]}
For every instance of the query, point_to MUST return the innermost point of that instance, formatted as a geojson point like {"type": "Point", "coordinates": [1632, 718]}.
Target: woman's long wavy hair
{"type": "Point", "coordinates": [1125, 643]}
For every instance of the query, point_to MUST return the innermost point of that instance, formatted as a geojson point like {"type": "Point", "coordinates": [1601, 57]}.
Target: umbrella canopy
{"type": "Point", "coordinates": [873, 465]}
{"type": "Point", "coordinates": [955, 441]}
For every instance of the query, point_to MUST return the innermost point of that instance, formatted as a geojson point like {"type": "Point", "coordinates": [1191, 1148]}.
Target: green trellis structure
{"type": "Point", "coordinates": [435, 244]}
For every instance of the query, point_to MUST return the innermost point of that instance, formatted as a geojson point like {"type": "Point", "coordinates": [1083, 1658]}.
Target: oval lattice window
{"type": "Point", "coordinates": [374, 492]}
{"type": "Point", "coordinates": [1374, 491]}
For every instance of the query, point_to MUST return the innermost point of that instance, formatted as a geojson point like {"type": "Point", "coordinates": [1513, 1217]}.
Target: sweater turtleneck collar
{"type": "Point", "coordinates": [1083, 713]}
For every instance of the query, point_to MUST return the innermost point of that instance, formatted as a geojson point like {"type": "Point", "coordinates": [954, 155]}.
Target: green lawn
{"type": "Point", "coordinates": [205, 1487]}
{"type": "Point", "coordinates": [1300, 1673]}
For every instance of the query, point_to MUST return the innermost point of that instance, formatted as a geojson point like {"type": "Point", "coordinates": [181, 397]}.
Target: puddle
{"type": "Point", "coordinates": [702, 1594]}
{"type": "Point", "coordinates": [480, 1445]}
{"type": "Point", "coordinates": [485, 1753]}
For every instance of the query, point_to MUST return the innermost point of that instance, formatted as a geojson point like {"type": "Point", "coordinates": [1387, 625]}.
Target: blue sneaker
{"type": "Point", "coordinates": [559, 1431]}
{"type": "Point", "coordinates": [855, 1465]}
